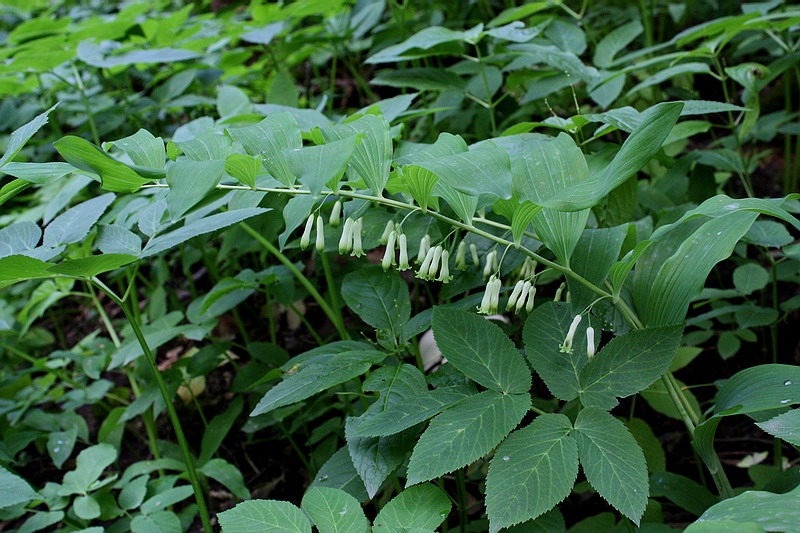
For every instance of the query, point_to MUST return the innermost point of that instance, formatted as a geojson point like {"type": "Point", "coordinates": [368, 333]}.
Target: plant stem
{"type": "Point", "coordinates": [462, 501]}
{"type": "Point", "coordinates": [173, 414]}
{"type": "Point", "coordinates": [332, 316]}
{"type": "Point", "coordinates": [85, 100]}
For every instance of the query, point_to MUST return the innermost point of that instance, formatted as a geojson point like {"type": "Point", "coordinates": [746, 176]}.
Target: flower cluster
{"type": "Point", "coordinates": [524, 291]}
{"type": "Point", "coordinates": [305, 239]}
{"type": "Point", "coordinates": [436, 259]}
{"type": "Point", "coordinates": [350, 241]}
{"type": "Point", "coordinates": [491, 297]}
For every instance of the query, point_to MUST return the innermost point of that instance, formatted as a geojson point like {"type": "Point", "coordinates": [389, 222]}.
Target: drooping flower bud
{"type": "Point", "coordinates": [306, 238]}
{"type": "Point", "coordinates": [461, 256]}
{"type": "Point", "coordinates": [473, 250]}
{"type": "Point", "coordinates": [320, 234]}
{"type": "Point", "coordinates": [528, 268]}
{"type": "Point", "coordinates": [566, 347]}
{"type": "Point", "coordinates": [424, 246]}
{"type": "Point", "coordinates": [526, 290]}
{"type": "Point", "coordinates": [336, 214]}
{"type": "Point", "coordinates": [515, 295]}
{"type": "Point", "coordinates": [495, 303]}
{"type": "Point", "coordinates": [422, 272]}
{"type": "Point", "coordinates": [557, 297]}
{"type": "Point", "coordinates": [386, 231]}
{"type": "Point", "coordinates": [358, 250]}
{"type": "Point", "coordinates": [490, 296]}
{"type": "Point", "coordinates": [434, 266]}
{"type": "Point", "coordinates": [403, 245]}
{"type": "Point", "coordinates": [444, 272]}
{"type": "Point", "coordinates": [491, 263]}
{"type": "Point", "coordinates": [388, 255]}
{"type": "Point", "coordinates": [590, 342]}
{"type": "Point", "coordinates": [346, 240]}
{"type": "Point", "coordinates": [531, 297]}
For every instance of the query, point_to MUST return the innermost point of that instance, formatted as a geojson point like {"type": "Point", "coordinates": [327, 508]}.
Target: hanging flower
{"type": "Point", "coordinates": [526, 294]}
{"type": "Point", "coordinates": [336, 214]}
{"type": "Point", "coordinates": [590, 342]}
{"type": "Point", "coordinates": [422, 272]}
{"type": "Point", "coordinates": [515, 295]}
{"type": "Point", "coordinates": [444, 273]}
{"type": "Point", "coordinates": [386, 231]}
{"type": "Point", "coordinates": [473, 250]}
{"type": "Point", "coordinates": [566, 347]}
{"type": "Point", "coordinates": [403, 245]}
{"type": "Point", "coordinates": [491, 296]}
{"type": "Point", "coordinates": [531, 296]}
{"type": "Point", "coordinates": [388, 255]}
{"type": "Point", "coordinates": [346, 240]}
{"type": "Point", "coordinates": [434, 266]}
{"type": "Point", "coordinates": [424, 246]}
{"type": "Point", "coordinates": [358, 251]}
{"type": "Point", "coordinates": [306, 238]}
{"type": "Point", "coordinates": [461, 256]}
{"type": "Point", "coordinates": [559, 291]}
{"type": "Point", "coordinates": [320, 234]}
{"type": "Point", "coordinates": [491, 263]}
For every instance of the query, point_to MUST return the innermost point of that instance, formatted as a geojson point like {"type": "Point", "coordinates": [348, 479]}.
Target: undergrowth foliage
{"type": "Point", "coordinates": [558, 272]}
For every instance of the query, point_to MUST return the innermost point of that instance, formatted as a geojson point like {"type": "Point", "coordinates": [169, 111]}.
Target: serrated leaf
{"type": "Point", "coordinates": [480, 350]}
{"type": "Point", "coordinates": [380, 298]}
{"type": "Point", "coordinates": [112, 239]}
{"type": "Point", "coordinates": [544, 332]}
{"type": "Point", "coordinates": [421, 506]}
{"type": "Point", "coordinates": [264, 515]}
{"type": "Point", "coordinates": [19, 238]}
{"type": "Point", "coordinates": [464, 433]}
{"type": "Point", "coordinates": [334, 511]}
{"type": "Point", "coordinates": [785, 426]}
{"type": "Point", "coordinates": [628, 364]}
{"type": "Point", "coordinates": [772, 512]}
{"type": "Point", "coordinates": [316, 166]}
{"type": "Point", "coordinates": [189, 182]}
{"type": "Point", "coordinates": [612, 461]}
{"type": "Point", "coordinates": [338, 472]}
{"type": "Point", "coordinates": [531, 472]}
{"type": "Point", "coordinates": [74, 224]}
{"type": "Point", "coordinates": [269, 138]}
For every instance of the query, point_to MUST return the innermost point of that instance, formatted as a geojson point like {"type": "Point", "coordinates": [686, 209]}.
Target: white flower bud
{"type": "Point", "coordinates": [557, 297]}
{"type": "Point", "coordinates": [386, 231]}
{"type": "Point", "coordinates": [358, 251]}
{"type": "Point", "coordinates": [320, 234]}
{"type": "Point", "coordinates": [424, 246]}
{"type": "Point", "coordinates": [526, 289]}
{"type": "Point", "coordinates": [473, 250]}
{"type": "Point", "coordinates": [531, 297]}
{"type": "Point", "coordinates": [336, 214]}
{"type": "Point", "coordinates": [515, 294]}
{"type": "Point", "coordinates": [566, 347]}
{"type": "Point", "coordinates": [444, 273]}
{"type": "Point", "coordinates": [346, 240]}
{"type": "Point", "coordinates": [495, 302]}
{"type": "Point", "coordinates": [590, 342]}
{"type": "Point", "coordinates": [422, 273]}
{"type": "Point", "coordinates": [388, 255]}
{"type": "Point", "coordinates": [461, 256]}
{"type": "Point", "coordinates": [490, 267]}
{"type": "Point", "coordinates": [403, 252]}
{"type": "Point", "coordinates": [488, 303]}
{"type": "Point", "coordinates": [434, 266]}
{"type": "Point", "coordinates": [306, 238]}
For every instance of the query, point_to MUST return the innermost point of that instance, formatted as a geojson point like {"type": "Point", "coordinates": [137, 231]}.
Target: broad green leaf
{"type": "Point", "coordinates": [421, 79]}
{"type": "Point", "coordinates": [114, 176]}
{"type": "Point", "coordinates": [703, 107]}
{"type": "Point", "coordinates": [264, 515]}
{"type": "Point", "coordinates": [269, 138]}
{"type": "Point", "coordinates": [380, 298]}
{"type": "Point", "coordinates": [419, 182]}
{"type": "Point", "coordinates": [542, 169]}
{"type": "Point", "coordinates": [199, 227]}
{"type": "Point", "coordinates": [614, 42]}
{"type": "Point", "coordinates": [338, 472]}
{"type": "Point", "coordinates": [206, 146]}
{"type": "Point", "coordinates": [244, 168]}
{"type": "Point", "coordinates": [664, 298]}
{"type": "Point", "coordinates": [657, 396]}
{"type": "Point", "coordinates": [315, 378]}
{"type": "Point", "coordinates": [681, 491]}
{"type": "Point", "coordinates": [595, 253]}
{"type": "Point", "coordinates": [373, 156]}
{"type": "Point", "coordinates": [87, 267]}
{"type": "Point", "coordinates": [316, 166]}
{"type": "Point", "coordinates": [90, 464]}
{"type": "Point", "coordinates": [671, 72]}
{"type": "Point", "coordinates": [464, 205]}
{"type": "Point", "coordinates": [424, 40]}
{"type": "Point", "coordinates": [410, 412]}
{"type": "Point", "coordinates": [785, 426]}
{"type": "Point", "coordinates": [750, 277]}
{"type": "Point", "coordinates": [295, 213]}
{"type": "Point", "coordinates": [39, 173]}
{"type": "Point", "coordinates": [464, 433]}
{"type": "Point", "coordinates": [40, 521]}
{"type": "Point", "coordinates": [767, 233]}
{"type": "Point", "coordinates": [759, 388]}
{"type": "Point", "coordinates": [544, 333]}
{"type": "Point", "coordinates": [612, 461]}
{"type": "Point", "coordinates": [550, 522]}
{"type": "Point", "coordinates": [143, 148]}
{"type": "Point", "coordinates": [334, 511]}
{"type": "Point", "coordinates": [159, 521]}
{"type": "Point", "coordinates": [232, 101]}
{"type": "Point", "coordinates": [773, 512]}
{"type": "Point", "coordinates": [132, 495]}
{"type": "Point", "coordinates": [166, 498]}
{"type": "Point", "coordinates": [16, 268]}
{"type": "Point", "coordinates": [113, 239]}
{"type": "Point", "coordinates": [531, 472]}
{"type": "Point", "coordinates": [74, 224]}
{"type": "Point", "coordinates": [521, 218]}
{"type": "Point", "coordinates": [628, 364]}
{"type": "Point", "coordinates": [421, 506]}
{"type": "Point", "coordinates": [228, 475]}
{"type": "Point", "coordinates": [724, 526]}
{"type": "Point", "coordinates": [94, 55]}
{"type": "Point", "coordinates": [20, 136]}
{"type": "Point", "coordinates": [12, 188]}
{"type": "Point", "coordinates": [19, 238]}
{"type": "Point", "coordinates": [218, 428]}
{"type": "Point", "coordinates": [483, 170]}
{"type": "Point", "coordinates": [190, 182]}
{"type": "Point", "coordinates": [480, 350]}
{"type": "Point", "coordinates": [14, 490]}
{"type": "Point", "coordinates": [86, 507]}
{"type": "Point", "coordinates": [60, 445]}
{"type": "Point", "coordinates": [637, 150]}
{"type": "Point", "coordinates": [651, 447]}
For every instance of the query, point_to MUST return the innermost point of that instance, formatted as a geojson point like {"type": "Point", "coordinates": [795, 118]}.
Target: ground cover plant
{"type": "Point", "coordinates": [352, 266]}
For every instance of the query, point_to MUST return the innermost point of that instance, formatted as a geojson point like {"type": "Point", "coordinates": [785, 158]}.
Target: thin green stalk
{"type": "Point", "coordinates": [462, 501]}
{"type": "Point", "coordinates": [188, 460]}
{"type": "Point", "coordinates": [485, 80]}
{"type": "Point", "coordinates": [333, 291]}
{"type": "Point", "coordinates": [307, 324]}
{"type": "Point", "coordinates": [304, 281]}
{"type": "Point", "coordinates": [85, 100]}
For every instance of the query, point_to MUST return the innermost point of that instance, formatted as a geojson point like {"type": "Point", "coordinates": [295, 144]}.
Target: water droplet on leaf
{"type": "Point", "coordinates": [506, 458]}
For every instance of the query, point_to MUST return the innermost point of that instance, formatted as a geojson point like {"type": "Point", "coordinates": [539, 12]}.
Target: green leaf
{"type": "Point", "coordinates": [662, 295]}
{"type": "Point", "coordinates": [317, 377]}
{"type": "Point", "coordinates": [521, 218]}
{"type": "Point", "coordinates": [682, 491]}
{"type": "Point", "coordinates": [93, 54]}
{"type": "Point", "coordinates": [132, 494]}
{"type": "Point", "coordinates": [464, 433]}
{"type": "Point", "coordinates": [38, 173]}
{"type": "Point", "coordinates": [90, 464]}
{"type": "Point", "coordinates": [158, 522]}
{"type": "Point", "coordinates": [74, 224]}
{"type": "Point", "coordinates": [480, 350]}
{"type": "Point", "coordinates": [14, 490]}
{"type": "Point", "coordinates": [544, 333]}
{"type": "Point", "coordinates": [228, 475]}
{"type": "Point", "coordinates": [759, 388]}
{"type": "Point", "coordinates": [424, 40]}
{"type": "Point", "coordinates": [380, 298]}
{"type": "Point", "coordinates": [531, 472]}
{"type": "Point", "coordinates": [724, 526]}
{"type": "Point", "coordinates": [612, 461]}
{"type": "Point", "coordinates": [269, 138]}
{"type": "Point", "coordinates": [419, 182]}
{"type": "Point", "coordinates": [338, 472]}
{"type": "Point", "coordinates": [244, 168]}
{"type": "Point", "coordinates": [597, 250]}
{"type": "Point", "coordinates": [199, 227]}
{"type": "Point", "coordinates": [749, 278]}
{"type": "Point", "coordinates": [60, 445]}
{"type": "Point", "coordinates": [651, 447]}
{"type": "Point", "coordinates": [767, 233]}
{"type": "Point", "coordinates": [16, 268]}
{"type": "Point", "coordinates": [218, 429]}
{"type": "Point", "coordinates": [166, 498]}
{"type": "Point", "coordinates": [40, 521]}
{"type": "Point", "coordinates": [87, 267]}
{"type": "Point", "coordinates": [410, 412]}
{"type": "Point", "coordinates": [11, 189]}
{"type": "Point", "coordinates": [334, 511]}
{"type": "Point", "coordinates": [143, 148]}
{"type": "Point", "coordinates": [670, 72]}
{"type": "Point", "coordinates": [114, 176]}
{"type": "Point", "coordinates": [482, 170]}
{"type": "Point", "coordinates": [610, 45]}
{"type": "Point", "coordinates": [316, 166]}
{"type": "Point", "coordinates": [86, 507]}
{"type": "Point", "coordinates": [113, 239]}
{"type": "Point", "coordinates": [628, 364]}
{"type": "Point", "coordinates": [20, 136]}
{"type": "Point", "coordinates": [785, 426]}
{"type": "Point", "coordinates": [232, 101]}
{"type": "Point", "coordinates": [421, 506]}
{"type": "Point", "coordinates": [773, 512]}
{"type": "Point", "coordinates": [206, 146]}
{"type": "Point", "coordinates": [190, 182]}
{"type": "Point", "coordinates": [372, 158]}
{"type": "Point", "coordinates": [421, 79]}
{"type": "Point", "coordinates": [19, 237]}
{"type": "Point", "coordinates": [266, 516]}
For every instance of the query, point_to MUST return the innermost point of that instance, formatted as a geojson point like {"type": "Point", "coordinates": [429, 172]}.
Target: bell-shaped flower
{"type": "Point", "coordinates": [566, 347]}
{"type": "Point", "coordinates": [424, 247]}
{"type": "Point", "coordinates": [320, 234]}
{"type": "Point", "coordinates": [305, 240]}
{"type": "Point", "coordinates": [444, 272]}
{"type": "Point", "coordinates": [461, 256]}
{"type": "Point", "coordinates": [590, 342]}
{"type": "Point", "coordinates": [491, 296]}
{"type": "Point", "coordinates": [403, 245]}
{"type": "Point", "coordinates": [358, 250]}
{"type": "Point", "coordinates": [346, 240]}
{"type": "Point", "coordinates": [336, 214]}
{"type": "Point", "coordinates": [473, 250]}
{"type": "Point", "coordinates": [515, 295]}
{"type": "Point", "coordinates": [388, 255]}
{"type": "Point", "coordinates": [386, 231]}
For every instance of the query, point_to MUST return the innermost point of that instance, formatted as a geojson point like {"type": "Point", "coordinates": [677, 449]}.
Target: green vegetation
{"type": "Point", "coordinates": [388, 266]}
